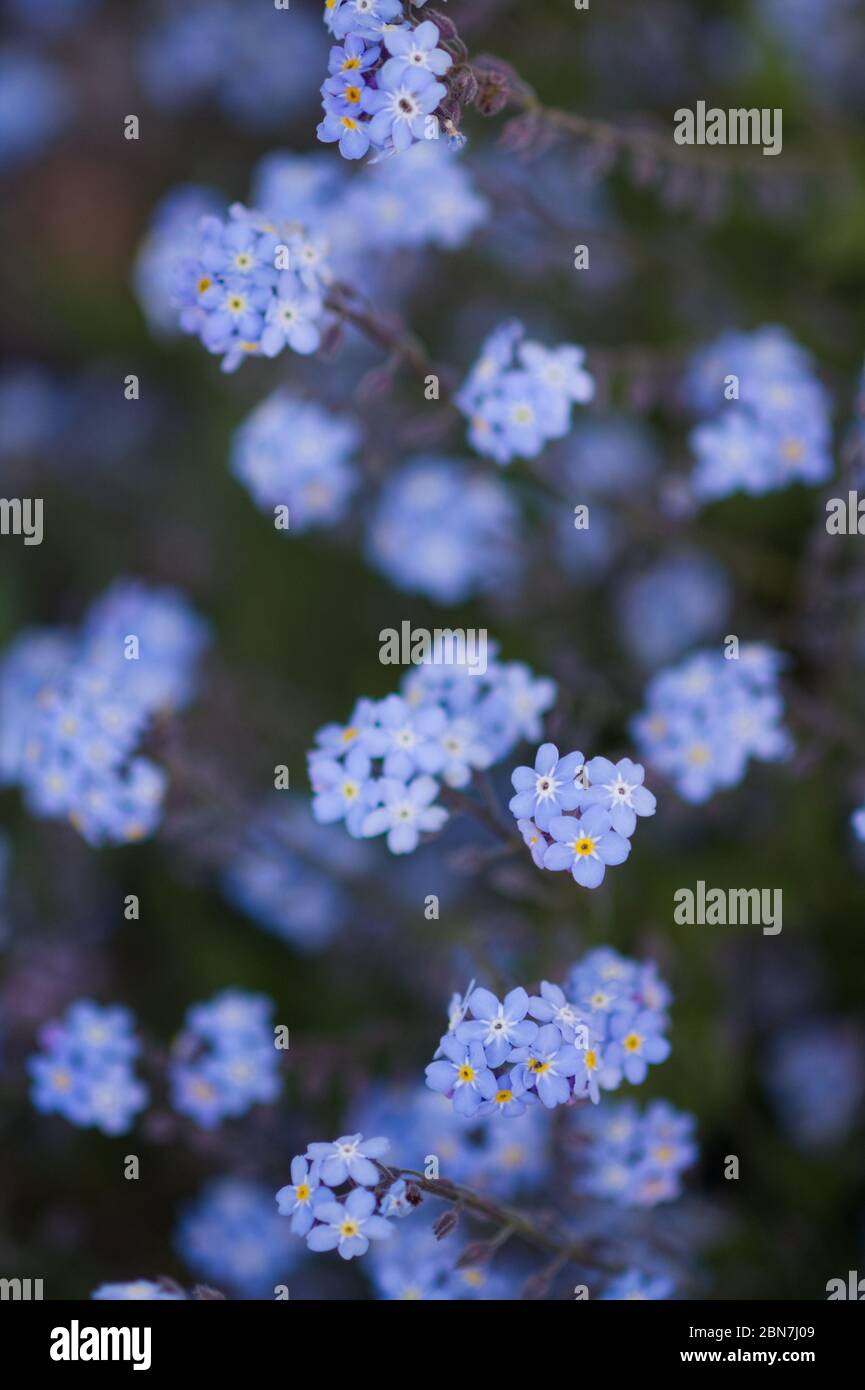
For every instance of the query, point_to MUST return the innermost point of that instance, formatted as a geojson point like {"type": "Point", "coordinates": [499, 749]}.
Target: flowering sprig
{"type": "Point", "coordinates": [564, 1045]}
{"type": "Point", "coordinates": [330, 1198]}
{"type": "Point", "coordinates": [382, 772]}
{"type": "Point", "coordinates": [382, 91]}
{"type": "Point", "coordinates": [579, 815]}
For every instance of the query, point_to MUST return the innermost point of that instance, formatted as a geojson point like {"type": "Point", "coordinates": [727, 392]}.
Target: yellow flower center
{"type": "Point", "coordinates": [632, 1042]}
{"type": "Point", "coordinates": [349, 1228]}
{"type": "Point", "coordinates": [504, 1096]}
{"type": "Point", "coordinates": [466, 1073]}
{"type": "Point", "coordinates": [792, 450]}
{"type": "Point", "coordinates": [698, 754]}
{"type": "Point", "coordinates": [62, 1080]}
{"type": "Point", "coordinates": [352, 95]}
{"type": "Point", "coordinates": [303, 1191]}
{"type": "Point", "coordinates": [204, 284]}
{"type": "Point", "coordinates": [538, 1068]}
{"type": "Point", "coordinates": [585, 845]}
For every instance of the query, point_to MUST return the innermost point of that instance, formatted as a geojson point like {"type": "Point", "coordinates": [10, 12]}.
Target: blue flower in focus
{"type": "Point", "coordinates": [549, 788]}
{"type": "Point", "coordinates": [552, 1006]}
{"type": "Point", "coordinates": [463, 1074]}
{"type": "Point", "coordinates": [367, 18]}
{"type": "Point", "coordinates": [586, 846]}
{"type": "Point", "coordinates": [546, 1065]}
{"type": "Point", "coordinates": [400, 105]}
{"type": "Point", "coordinates": [298, 1198]}
{"type": "Point", "coordinates": [348, 1158]}
{"type": "Point", "coordinates": [618, 789]}
{"type": "Point", "coordinates": [395, 1201]}
{"type": "Point", "coordinates": [415, 49]}
{"type": "Point", "coordinates": [348, 1226]}
{"type": "Point", "coordinates": [498, 1027]}
{"type": "Point", "coordinates": [535, 839]}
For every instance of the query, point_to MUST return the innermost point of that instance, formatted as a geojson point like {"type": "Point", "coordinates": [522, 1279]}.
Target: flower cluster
{"type": "Point", "coordinates": [328, 1218]}
{"type": "Point", "coordinates": [631, 1157]}
{"type": "Point", "coordinates": [84, 1071]}
{"type": "Point", "coordinates": [704, 718]}
{"type": "Point", "coordinates": [771, 430]}
{"type": "Point", "coordinates": [444, 531]}
{"type": "Point", "coordinates": [232, 1237]}
{"type": "Point", "coordinates": [604, 1026]}
{"type": "Point", "coordinates": [73, 710]}
{"type": "Point", "coordinates": [519, 394]}
{"type": "Point", "coordinates": [579, 815]}
{"type": "Point", "coordinates": [291, 453]}
{"type": "Point", "coordinates": [383, 89]}
{"type": "Point", "coordinates": [382, 772]}
{"type": "Point", "coordinates": [225, 1060]}
{"type": "Point", "coordinates": [253, 287]}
